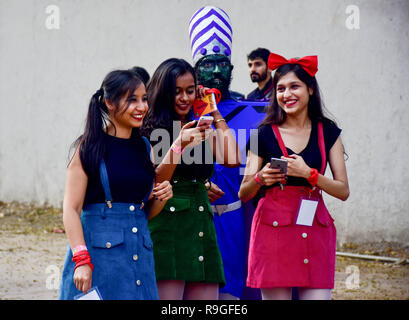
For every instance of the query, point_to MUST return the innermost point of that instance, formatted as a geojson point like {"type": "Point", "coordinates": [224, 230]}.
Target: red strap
{"type": "Point", "coordinates": [280, 140]}
{"type": "Point", "coordinates": [216, 92]}
{"type": "Point", "coordinates": [321, 144]}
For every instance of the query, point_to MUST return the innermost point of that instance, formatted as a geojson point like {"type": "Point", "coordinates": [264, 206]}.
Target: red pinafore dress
{"type": "Point", "coordinates": [284, 254]}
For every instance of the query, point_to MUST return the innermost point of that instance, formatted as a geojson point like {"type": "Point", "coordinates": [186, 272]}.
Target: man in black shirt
{"type": "Point", "coordinates": [257, 62]}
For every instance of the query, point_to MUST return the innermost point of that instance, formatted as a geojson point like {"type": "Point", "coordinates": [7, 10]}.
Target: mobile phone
{"type": "Point", "coordinates": [279, 164]}
{"type": "Point", "coordinates": [205, 120]}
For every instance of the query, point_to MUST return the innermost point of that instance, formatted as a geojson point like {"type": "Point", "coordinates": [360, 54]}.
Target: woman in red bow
{"type": "Point", "coordinates": [293, 237]}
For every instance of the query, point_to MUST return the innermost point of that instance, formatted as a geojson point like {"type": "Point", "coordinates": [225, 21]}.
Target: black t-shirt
{"type": "Point", "coordinates": [262, 94]}
{"type": "Point", "coordinates": [267, 147]}
{"type": "Point", "coordinates": [129, 175]}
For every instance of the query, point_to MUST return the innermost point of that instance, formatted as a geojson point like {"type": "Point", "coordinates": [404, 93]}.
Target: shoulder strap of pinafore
{"type": "Point", "coordinates": [103, 174]}
{"type": "Point", "coordinates": [280, 140]}
{"type": "Point", "coordinates": [148, 150]}
{"type": "Point", "coordinates": [321, 144]}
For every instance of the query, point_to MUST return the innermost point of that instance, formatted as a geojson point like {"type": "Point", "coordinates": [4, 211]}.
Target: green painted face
{"type": "Point", "coordinates": [214, 71]}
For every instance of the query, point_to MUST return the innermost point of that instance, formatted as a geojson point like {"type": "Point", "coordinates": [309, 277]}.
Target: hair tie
{"type": "Point", "coordinates": [99, 92]}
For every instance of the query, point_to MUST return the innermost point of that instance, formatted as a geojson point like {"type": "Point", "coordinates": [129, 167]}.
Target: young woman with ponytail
{"type": "Point", "coordinates": [109, 197]}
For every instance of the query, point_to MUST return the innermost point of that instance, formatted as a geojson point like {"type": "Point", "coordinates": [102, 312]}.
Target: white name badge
{"type": "Point", "coordinates": [306, 213]}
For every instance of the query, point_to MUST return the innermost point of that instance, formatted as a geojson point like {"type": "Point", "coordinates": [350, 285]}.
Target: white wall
{"type": "Point", "coordinates": [47, 77]}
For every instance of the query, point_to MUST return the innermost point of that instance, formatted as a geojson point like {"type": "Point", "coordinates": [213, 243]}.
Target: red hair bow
{"type": "Point", "coordinates": [309, 63]}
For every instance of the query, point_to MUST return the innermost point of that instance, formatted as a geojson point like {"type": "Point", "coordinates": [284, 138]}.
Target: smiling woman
{"type": "Point", "coordinates": [293, 236]}
{"type": "Point", "coordinates": [109, 180]}
{"type": "Point", "coordinates": [130, 113]}
{"type": "Point", "coordinates": [187, 258]}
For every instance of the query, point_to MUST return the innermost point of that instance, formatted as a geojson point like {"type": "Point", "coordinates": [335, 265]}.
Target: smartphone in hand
{"type": "Point", "coordinates": [205, 121]}
{"type": "Point", "coordinates": [281, 164]}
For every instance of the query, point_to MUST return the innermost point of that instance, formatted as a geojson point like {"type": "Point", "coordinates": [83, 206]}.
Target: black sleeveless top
{"type": "Point", "coordinates": [130, 172]}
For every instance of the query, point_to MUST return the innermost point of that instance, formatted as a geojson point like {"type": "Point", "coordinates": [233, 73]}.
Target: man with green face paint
{"type": "Point", "coordinates": [211, 39]}
{"type": "Point", "coordinates": [215, 71]}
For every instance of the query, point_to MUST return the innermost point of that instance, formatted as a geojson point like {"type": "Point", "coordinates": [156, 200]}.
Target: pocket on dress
{"type": "Point", "coordinates": [323, 216]}
{"type": "Point", "coordinates": [175, 205]}
{"type": "Point", "coordinates": [147, 242]}
{"type": "Point", "coordinates": [276, 213]}
{"type": "Point", "coordinates": [107, 239]}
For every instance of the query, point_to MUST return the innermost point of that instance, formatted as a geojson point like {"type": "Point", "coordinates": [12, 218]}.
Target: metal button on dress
{"type": "Point", "coordinates": [304, 235]}
{"type": "Point", "coordinates": [172, 209]}
{"type": "Point", "coordinates": [108, 245]}
{"type": "Point", "coordinates": [135, 257]}
{"type": "Point", "coordinates": [138, 282]}
{"type": "Point", "coordinates": [134, 229]}
{"type": "Point", "coordinates": [132, 208]}
{"type": "Point", "coordinates": [306, 261]}
{"type": "Point", "coordinates": [275, 223]}
{"type": "Point", "coordinates": [200, 234]}
{"type": "Point", "coordinates": [200, 258]}
{"type": "Point", "coordinates": [201, 208]}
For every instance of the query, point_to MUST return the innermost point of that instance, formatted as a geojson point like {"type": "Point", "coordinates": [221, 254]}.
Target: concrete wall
{"type": "Point", "coordinates": [48, 75]}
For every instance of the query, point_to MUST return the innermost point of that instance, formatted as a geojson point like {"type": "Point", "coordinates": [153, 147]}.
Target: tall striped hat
{"type": "Point", "coordinates": [210, 32]}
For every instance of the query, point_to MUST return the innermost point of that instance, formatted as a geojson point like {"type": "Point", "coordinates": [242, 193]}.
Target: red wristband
{"type": "Point", "coordinates": [257, 179]}
{"type": "Point", "coordinates": [313, 177]}
{"type": "Point", "coordinates": [82, 257]}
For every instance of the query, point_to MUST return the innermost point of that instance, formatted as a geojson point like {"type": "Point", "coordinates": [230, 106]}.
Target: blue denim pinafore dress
{"type": "Point", "coordinates": [121, 249]}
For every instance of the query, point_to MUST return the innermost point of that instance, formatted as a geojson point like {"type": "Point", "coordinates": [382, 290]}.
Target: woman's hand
{"type": "Point", "coordinates": [214, 192]}
{"type": "Point", "coordinates": [83, 278]}
{"type": "Point", "coordinates": [200, 91]}
{"type": "Point", "coordinates": [269, 176]}
{"type": "Point", "coordinates": [163, 191]}
{"type": "Point", "coordinates": [297, 167]}
{"type": "Point", "coordinates": [190, 137]}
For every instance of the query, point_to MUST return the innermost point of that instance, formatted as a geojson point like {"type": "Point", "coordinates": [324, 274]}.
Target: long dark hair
{"type": "Point", "coordinates": [316, 109]}
{"type": "Point", "coordinates": [116, 85]}
{"type": "Point", "coordinates": [161, 92]}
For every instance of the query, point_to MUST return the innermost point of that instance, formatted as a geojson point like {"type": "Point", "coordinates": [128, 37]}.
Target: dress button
{"type": "Point", "coordinates": [134, 229]}
{"type": "Point", "coordinates": [201, 208]}
{"type": "Point", "coordinates": [200, 234]}
{"type": "Point", "coordinates": [132, 208]}
{"type": "Point", "coordinates": [138, 282]}
{"type": "Point", "coordinates": [172, 209]}
{"type": "Point", "coordinates": [304, 235]}
{"type": "Point", "coordinates": [108, 245]}
{"type": "Point", "coordinates": [306, 261]}
{"type": "Point", "coordinates": [275, 223]}
{"type": "Point", "coordinates": [200, 258]}
{"type": "Point", "coordinates": [135, 257]}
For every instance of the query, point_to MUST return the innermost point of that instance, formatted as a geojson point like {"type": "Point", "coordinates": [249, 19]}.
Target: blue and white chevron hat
{"type": "Point", "coordinates": [210, 32]}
